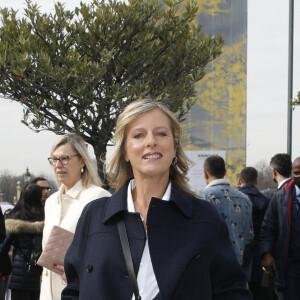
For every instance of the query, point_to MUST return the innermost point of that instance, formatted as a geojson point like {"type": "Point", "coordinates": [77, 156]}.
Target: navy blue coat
{"type": "Point", "coordinates": [259, 207]}
{"type": "Point", "coordinates": [276, 227]}
{"type": "Point", "coordinates": [189, 246]}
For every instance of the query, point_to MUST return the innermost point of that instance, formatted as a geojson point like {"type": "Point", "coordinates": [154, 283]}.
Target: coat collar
{"type": "Point", "coordinates": [23, 226]}
{"type": "Point", "coordinates": [73, 192]}
{"type": "Point", "coordinates": [118, 202]}
{"type": "Point", "coordinates": [217, 182]}
{"type": "Point", "coordinates": [249, 188]}
{"type": "Point", "coordinates": [288, 185]}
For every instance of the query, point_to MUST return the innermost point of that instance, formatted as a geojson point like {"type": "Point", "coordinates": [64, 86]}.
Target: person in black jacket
{"type": "Point", "coordinates": [2, 227]}
{"type": "Point", "coordinates": [5, 265]}
{"type": "Point", "coordinates": [280, 237]}
{"type": "Point", "coordinates": [2, 236]}
{"type": "Point", "coordinates": [247, 181]}
{"type": "Point", "coordinates": [24, 225]}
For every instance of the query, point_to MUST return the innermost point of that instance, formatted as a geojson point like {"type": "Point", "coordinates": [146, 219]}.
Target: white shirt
{"type": "Point", "coordinates": [282, 183]}
{"type": "Point", "coordinates": [146, 279]}
{"type": "Point", "coordinates": [297, 193]}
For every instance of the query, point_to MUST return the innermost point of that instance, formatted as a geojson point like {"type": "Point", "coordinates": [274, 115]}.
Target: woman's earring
{"type": "Point", "coordinates": [82, 170]}
{"type": "Point", "coordinates": [174, 162]}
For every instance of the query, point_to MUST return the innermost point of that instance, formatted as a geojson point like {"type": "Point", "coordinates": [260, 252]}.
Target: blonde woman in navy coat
{"type": "Point", "coordinates": [179, 243]}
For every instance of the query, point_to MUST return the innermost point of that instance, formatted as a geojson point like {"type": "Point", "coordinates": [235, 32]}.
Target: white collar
{"type": "Point", "coordinates": [72, 192]}
{"type": "Point", "coordinates": [297, 191]}
{"type": "Point", "coordinates": [131, 186]}
{"type": "Point", "coordinates": [282, 183]}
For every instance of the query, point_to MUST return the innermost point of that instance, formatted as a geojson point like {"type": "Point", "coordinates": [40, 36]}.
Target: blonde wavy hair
{"type": "Point", "coordinates": [120, 171]}
{"type": "Point", "coordinates": [89, 176]}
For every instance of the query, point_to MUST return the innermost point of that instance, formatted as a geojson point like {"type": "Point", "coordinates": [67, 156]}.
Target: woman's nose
{"type": "Point", "coordinates": [58, 163]}
{"type": "Point", "coordinates": [151, 141]}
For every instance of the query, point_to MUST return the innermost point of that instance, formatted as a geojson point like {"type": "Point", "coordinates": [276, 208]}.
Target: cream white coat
{"type": "Point", "coordinates": [78, 197]}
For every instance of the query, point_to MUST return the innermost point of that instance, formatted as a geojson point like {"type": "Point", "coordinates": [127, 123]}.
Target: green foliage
{"type": "Point", "coordinates": [296, 101]}
{"type": "Point", "coordinates": [74, 71]}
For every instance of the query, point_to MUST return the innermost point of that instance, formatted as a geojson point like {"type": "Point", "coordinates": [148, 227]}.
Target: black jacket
{"type": "Point", "coordinates": [2, 227]}
{"type": "Point", "coordinates": [259, 207]}
{"type": "Point", "coordinates": [276, 229]}
{"type": "Point", "coordinates": [19, 234]}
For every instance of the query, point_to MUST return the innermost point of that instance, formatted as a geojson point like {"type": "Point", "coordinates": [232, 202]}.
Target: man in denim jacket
{"type": "Point", "coordinates": [234, 206]}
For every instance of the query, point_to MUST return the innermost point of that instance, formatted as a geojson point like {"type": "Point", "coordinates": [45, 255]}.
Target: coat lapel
{"type": "Point", "coordinates": [168, 228]}
{"type": "Point", "coordinates": [116, 203]}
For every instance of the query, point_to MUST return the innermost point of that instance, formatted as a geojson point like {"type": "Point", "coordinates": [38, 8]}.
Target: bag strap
{"type": "Point", "coordinates": [128, 257]}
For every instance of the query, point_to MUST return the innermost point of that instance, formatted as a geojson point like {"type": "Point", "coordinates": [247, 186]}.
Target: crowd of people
{"type": "Point", "coordinates": [154, 238]}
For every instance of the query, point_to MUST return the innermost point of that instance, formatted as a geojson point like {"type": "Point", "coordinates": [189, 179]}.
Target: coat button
{"type": "Point", "coordinates": [89, 268]}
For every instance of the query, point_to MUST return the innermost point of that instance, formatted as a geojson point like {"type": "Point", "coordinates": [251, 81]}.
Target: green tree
{"type": "Point", "coordinates": [74, 71]}
{"type": "Point", "coordinates": [296, 101]}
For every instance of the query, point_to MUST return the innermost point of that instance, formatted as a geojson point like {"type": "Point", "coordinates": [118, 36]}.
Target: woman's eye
{"type": "Point", "coordinates": [137, 135]}
{"type": "Point", "coordinates": [161, 133]}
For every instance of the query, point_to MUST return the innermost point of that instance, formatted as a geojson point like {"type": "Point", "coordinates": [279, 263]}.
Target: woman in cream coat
{"type": "Point", "coordinates": [79, 184]}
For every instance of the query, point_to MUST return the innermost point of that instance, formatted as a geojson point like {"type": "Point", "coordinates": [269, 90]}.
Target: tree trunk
{"type": "Point", "coordinates": [100, 153]}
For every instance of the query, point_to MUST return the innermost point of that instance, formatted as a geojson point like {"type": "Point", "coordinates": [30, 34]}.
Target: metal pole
{"type": "Point", "coordinates": [290, 77]}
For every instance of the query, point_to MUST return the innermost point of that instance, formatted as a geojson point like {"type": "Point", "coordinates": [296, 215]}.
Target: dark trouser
{"type": "Point", "coordinates": [268, 282]}
{"type": "Point", "coordinates": [292, 289]}
{"type": "Point", "coordinates": [259, 292]}
{"type": "Point", "coordinates": [3, 286]}
{"type": "Point", "coordinates": [25, 295]}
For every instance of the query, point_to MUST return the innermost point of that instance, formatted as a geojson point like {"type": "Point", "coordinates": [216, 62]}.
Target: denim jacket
{"type": "Point", "coordinates": [236, 209]}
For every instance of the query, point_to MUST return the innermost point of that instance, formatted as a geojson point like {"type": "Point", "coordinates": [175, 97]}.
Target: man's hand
{"type": "Point", "coordinates": [268, 264]}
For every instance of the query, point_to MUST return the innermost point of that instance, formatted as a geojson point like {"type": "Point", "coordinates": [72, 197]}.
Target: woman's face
{"type": "Point", "coordinates": [69, 173]}
{"type": "Point", "coordinates": [150, 145]}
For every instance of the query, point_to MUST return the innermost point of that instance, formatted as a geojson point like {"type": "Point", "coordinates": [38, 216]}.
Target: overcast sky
{"type": "Point", "coordinates": [267, 77]}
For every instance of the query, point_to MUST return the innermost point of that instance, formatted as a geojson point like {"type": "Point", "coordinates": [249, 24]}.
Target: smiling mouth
{"type": "Point", "coordinates": [152, 156]}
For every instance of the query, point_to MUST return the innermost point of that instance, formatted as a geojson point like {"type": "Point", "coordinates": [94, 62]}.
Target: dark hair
{"type": "Point", "coordinates": [35, 180]}
{"type": "Point", "coordinates": [215, 166]}
{"type": "Point", "coordinates": [29, 206]}
{"type": "Point", "coordinates": [282, 163]}
{"type": "Point", "coordinates": [249, 175]}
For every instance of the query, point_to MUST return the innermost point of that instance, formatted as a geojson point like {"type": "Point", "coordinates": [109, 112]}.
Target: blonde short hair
{"type": "Point", "coordinates": [89, 176]}
{"type": "Point", "coordinates": [120, 171]}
